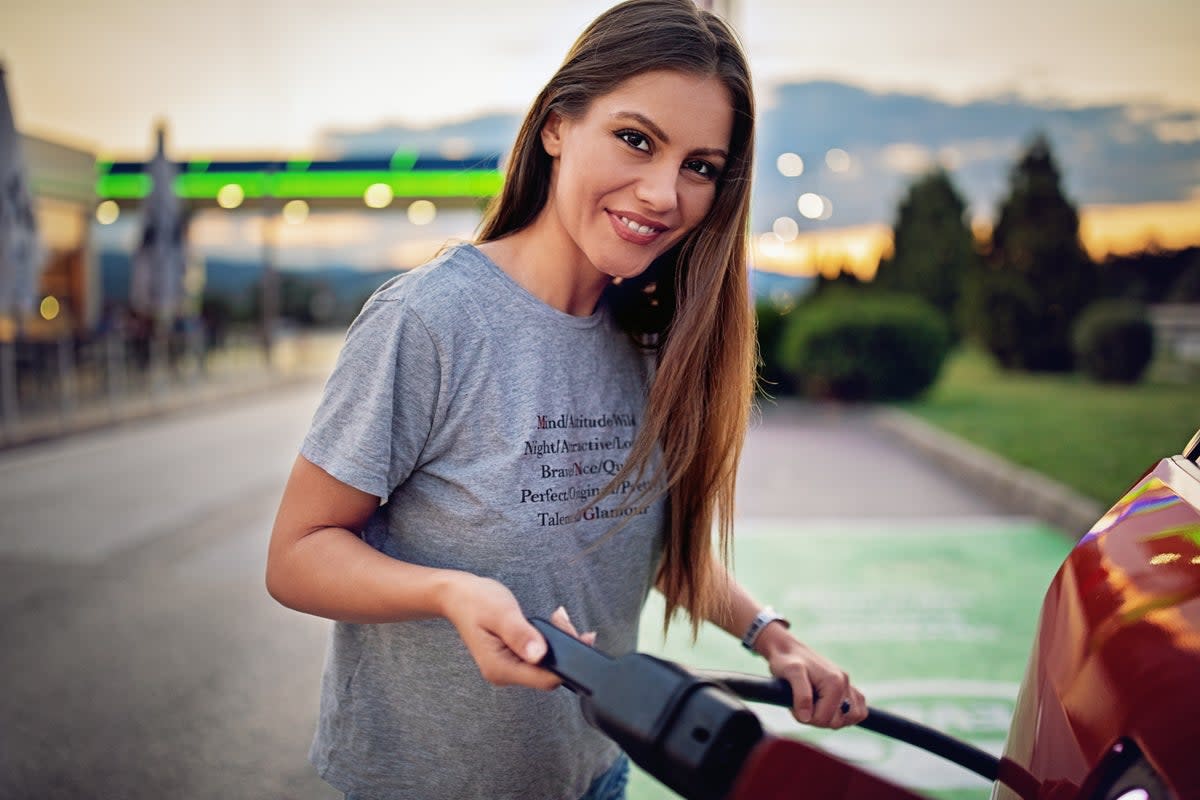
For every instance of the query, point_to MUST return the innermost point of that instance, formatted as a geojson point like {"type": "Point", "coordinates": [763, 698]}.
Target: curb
{"type": "Point", "coordinates": [1009, 486]}
{"type": "Point", "coordinates": [138, 407]}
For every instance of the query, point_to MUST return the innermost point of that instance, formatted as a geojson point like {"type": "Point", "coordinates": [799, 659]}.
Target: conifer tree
{"type": "Point", "coordinates": [1036, 246]}
{"type": "Point", "coordinates": [934, 248]}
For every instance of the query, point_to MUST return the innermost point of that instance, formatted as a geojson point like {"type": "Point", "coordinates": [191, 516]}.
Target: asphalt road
{"type": "Point", "coordinates": [140, 654]}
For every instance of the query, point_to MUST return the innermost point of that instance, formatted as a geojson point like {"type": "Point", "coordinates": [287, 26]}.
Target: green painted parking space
{"type": "Point", "coordinates": [933, 619]}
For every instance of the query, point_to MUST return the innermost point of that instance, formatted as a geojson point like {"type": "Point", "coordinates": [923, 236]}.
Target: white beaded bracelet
{"type": "Point", "coordinates": [762, 620]}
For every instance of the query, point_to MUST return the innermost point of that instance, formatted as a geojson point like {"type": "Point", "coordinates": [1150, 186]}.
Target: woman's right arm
{"type": "Point", "coordinates": [316, 563]}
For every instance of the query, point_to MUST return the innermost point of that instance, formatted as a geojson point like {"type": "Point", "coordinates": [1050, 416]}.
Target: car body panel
{"type": "Point", "coordinates": [1116, 660]}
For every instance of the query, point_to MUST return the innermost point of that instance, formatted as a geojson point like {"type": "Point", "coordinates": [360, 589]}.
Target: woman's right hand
{"type": "Point", "coordinates": [506, 648]}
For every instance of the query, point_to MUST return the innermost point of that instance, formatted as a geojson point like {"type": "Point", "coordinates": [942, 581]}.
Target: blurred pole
{"type": "Point", "coordinates": [66, 375]}
{"type": "Point", "coordinates": [9, 408]}
{"type": "Point", "coordinates": [269, 298]}
{"type": "Point", "coordinates": [156, 281]}
{"type": "Point", "coordinates": [196, 347]}
{"type": "Point", "coordinates": [114, 351]}
{"type": "Point", "coordinates": [158, 356]}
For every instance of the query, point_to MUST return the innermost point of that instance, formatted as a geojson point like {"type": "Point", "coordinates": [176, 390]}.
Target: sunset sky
{"type": "Point", "coordinates": [269, 75]}
{"type": "Point", "coordinates": [259, 77]}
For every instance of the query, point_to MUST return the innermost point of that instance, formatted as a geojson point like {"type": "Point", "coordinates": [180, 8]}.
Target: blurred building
{"type": "Point", "coordinates": [63, 178]}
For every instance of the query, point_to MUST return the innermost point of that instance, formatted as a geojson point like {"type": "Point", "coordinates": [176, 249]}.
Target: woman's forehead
{"type": "Point", "coordinates": [689, 109]}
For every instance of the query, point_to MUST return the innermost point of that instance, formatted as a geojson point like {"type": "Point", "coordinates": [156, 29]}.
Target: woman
{"type": "Point", "coordinates": [552, 418]}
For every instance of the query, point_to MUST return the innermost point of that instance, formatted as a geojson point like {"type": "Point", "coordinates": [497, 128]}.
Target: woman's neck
{"type": "Point", "coordinates": [545, 262]}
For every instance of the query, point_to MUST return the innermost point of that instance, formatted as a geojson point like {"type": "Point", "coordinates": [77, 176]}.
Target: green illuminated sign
{"type": "Point", "coordinates": [194, 183]}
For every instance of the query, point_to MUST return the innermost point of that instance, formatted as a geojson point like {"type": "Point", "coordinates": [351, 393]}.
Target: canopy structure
{"type": "Point", "coordinates": [404, 175]}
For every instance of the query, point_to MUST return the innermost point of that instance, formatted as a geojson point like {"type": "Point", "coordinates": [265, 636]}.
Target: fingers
{"type": "Point", "coordinates": [838, 703]}
{"type": "Point", "coordinates": [506, 647]}
{"type": "Point", "coordinates": [562, 620]}
{"type": "Point", "coordinates": [820, 695]}
{"type": "Point", "coordinates": [802, 697]}
{"type": "Point", "coordinates": [500, 666]}
{"type": "Point", "coordinates": [858, 708]}
{"type": "Point", "coordinates": [510, 654]}
{"type": "Point", "coordinates": [511, 658]}
{"type": "Point", "coordinates": [522, 639]}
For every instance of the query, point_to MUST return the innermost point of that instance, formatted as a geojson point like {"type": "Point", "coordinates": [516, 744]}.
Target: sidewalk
{"type": "Point", "coordinates": [1014, 488]}
{"type": "Point", "coordinates": [306, 356]}
{"type": "Point", "coordinates": [826, 460]}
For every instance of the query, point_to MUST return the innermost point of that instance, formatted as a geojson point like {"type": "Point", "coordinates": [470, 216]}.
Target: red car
{"type": "Point", "coordinates": [1110, 704]}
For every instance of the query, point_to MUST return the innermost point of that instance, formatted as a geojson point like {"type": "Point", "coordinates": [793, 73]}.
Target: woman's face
{"type": "Point", "coordinates": [639, 170]}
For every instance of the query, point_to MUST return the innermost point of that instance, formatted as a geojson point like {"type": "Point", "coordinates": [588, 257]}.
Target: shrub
{"type": "Point", "coordinates": [1021, 331]}
{"type": "Point", "coordinates": [999, 312]}
{"type": "Point", "coordinates": [1114, 341]}
{"type": "Point", "coordinates": [865, 346]}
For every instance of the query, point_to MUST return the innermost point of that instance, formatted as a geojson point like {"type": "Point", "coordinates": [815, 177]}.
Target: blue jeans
{"type": "Point", "coordinates": [609, 786]}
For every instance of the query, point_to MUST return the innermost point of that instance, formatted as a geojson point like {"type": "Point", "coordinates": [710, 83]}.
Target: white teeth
{"type": "Point", "coordinates": [633, 226]}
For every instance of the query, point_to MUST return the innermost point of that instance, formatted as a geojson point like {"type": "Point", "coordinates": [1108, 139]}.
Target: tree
{"type": "Point", "coordinates": [934, 248]}
{"type": "Point", "coordinates": [1035, 244]}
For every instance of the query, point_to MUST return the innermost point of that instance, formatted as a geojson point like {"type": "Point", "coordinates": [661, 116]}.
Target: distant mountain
{"type": "Point", "coordinates": [489, 133]}
{"type": "Point", "coordinates": [238, 280]}
{"type": "Point", "coordinates": [1120, 153]}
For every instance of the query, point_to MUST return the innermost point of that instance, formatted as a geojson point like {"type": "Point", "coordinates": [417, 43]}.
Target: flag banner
{"type": "Point", "coordinates": [21, 253]}
{"type": "Point", "coordinates": [156, 285]}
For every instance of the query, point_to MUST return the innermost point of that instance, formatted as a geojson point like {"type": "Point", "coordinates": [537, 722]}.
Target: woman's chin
{"type": "Point", "coordinates": [623, 270]}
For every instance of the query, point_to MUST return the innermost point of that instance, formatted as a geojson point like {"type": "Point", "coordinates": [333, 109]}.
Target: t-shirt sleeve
{"type": "Point", "coordinates": [379, 404]}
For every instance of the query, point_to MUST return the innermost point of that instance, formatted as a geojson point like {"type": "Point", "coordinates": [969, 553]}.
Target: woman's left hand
{"type": "Point", "coordinates": [813, 678]}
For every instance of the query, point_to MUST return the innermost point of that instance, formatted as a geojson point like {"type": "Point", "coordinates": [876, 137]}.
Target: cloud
{"type": "Point", "coordinates": [906, 158]}
{"type": "Point", "coordinates": [1180, 130]}
{"type": "Point", "coordinates": [1114, 153]}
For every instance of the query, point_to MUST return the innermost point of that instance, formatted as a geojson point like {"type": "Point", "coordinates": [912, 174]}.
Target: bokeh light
{"type": "Point", "coordinates": [826, 208]}
{"type": "Point", "coordinates": [811, 205]}
{"type": "Point", "coordinates": [790, 165]}
{"type": "Point", "coordinates": [771, 246]}
{"type": "Point", "coordinates": [50, 307]}
{"type": "Point", "coordinates": [421, 212]}
{"type": "Point", "coordinates": [838, 160]}
{"type": "Point", "coordinates": [295, 212]}
{"type": "Point", "coordinates": [108, 212]}
{"type": "Point", "coordinates": [786, 229]}
{"type": "Point", "coordinates": [378, 195]}
{"type": "Point", "coordinates": [230, 196]}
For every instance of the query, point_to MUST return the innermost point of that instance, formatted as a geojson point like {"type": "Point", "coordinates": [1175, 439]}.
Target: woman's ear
{"type": "Point", "coordinates": [552, 132]}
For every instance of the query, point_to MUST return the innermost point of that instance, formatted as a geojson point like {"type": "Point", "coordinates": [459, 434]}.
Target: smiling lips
{"type": "Point", "coordinates": [633, 228]}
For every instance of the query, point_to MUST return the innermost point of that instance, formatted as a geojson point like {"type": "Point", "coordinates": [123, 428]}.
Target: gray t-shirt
{"type": "Point", "coordinates": [487, 419]}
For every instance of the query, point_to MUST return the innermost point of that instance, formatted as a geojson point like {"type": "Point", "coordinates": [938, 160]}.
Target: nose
{"type": "Point", "coordinates": [658, 188]}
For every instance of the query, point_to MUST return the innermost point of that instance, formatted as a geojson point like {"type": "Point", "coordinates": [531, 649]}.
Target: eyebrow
{"type": "Point", "coordinates": [662, 135]}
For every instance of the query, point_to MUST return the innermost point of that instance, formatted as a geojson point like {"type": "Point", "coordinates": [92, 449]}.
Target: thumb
{"type": "Point", "coordinates": [524, 640]}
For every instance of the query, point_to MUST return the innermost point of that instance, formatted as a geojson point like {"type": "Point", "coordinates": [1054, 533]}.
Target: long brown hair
{"type": "Point", "coordinates": [691, 305]}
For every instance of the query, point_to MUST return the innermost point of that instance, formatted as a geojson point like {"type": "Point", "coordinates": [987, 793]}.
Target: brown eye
{"type": "Point", "coordinates": [635, 140]}
{"type": "Point", "coordinates": [702, 168]}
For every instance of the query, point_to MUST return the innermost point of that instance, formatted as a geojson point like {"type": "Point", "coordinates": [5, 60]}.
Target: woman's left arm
{"type": "Point", "coordinates": [811, 675]}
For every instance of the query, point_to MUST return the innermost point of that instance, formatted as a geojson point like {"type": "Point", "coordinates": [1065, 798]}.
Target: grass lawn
{"type": "Point", "coordinates": [1094, 438]}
